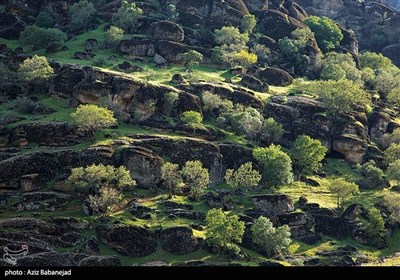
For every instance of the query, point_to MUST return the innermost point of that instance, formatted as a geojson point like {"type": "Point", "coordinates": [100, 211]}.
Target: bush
{"type": "Point", "coordinates": [90, 118]}
{"type": "Point", "coordinates": [375, 61]}
{"type": "Point", "coordinates": [272, 131]}
{"type": "Point", "coordinates": [386, 82]}
{"type": "Point", "coordinates": [342, 190]}
{"type": "Point", "coordinates": [214, 105]}
{"type": "Point", "coordinates": [277, 165]}
{"type": "Point", "coordinates": [242, 58]}
{"type": "Point", "coordinates": [81, 13]}
{"type": "Point", "coordinates": [196, 177]}
{"type": "Point", "coordinates": [327, 32]}
{"type": "Point", "coordinates": [244, 176]}
{"type": "Point", "coordinates": [95, 177]}
{"type": "Point", "coordinates": [192, 58]}
{"type": "Point", "coordinates": [372, 174]}
{"type": "Point", "coordinates": [374, 225]}
{"type": "Point", "coordinates": [192, 118]}
{"type": "Point", "coordinates": [392, 202]}
{"type": "Point", "coordinates": [113, 36]}
{"type": "Point", "coordinates": [335, 64]}
{"type": "Point", "coordinates": [6, 75]}
{"type": "Point", "coordinates": [25, 105]}
{"type": "Point", "coordinates": [251, 123]}
{"type": "Point", "coordinates": [392, 153]}
{"type": "Point", "coordinates": [36, 68]}
{"type": "Point", "coordinates": [270, 239]}
{"type": "Point", "coordinates": [105, 202]}
{"type": "Point", "coordinates": [222, 229]}
{"type": "Point", "coordinates": [172, 14]}
{"type": "Point", "coordinates": [333, 72]}
{"type": "Point", "coordinates": [36, 38]}
{"type": "Point", "coordinates": [393, 171]}
{"type": "Point", "coordinates": [127, 16]}
{"type": "Point", "coordinates": [394, 96]}
{"type": "Point", "coordinates": [248, 23]}
{"type": "Point", "coordinates": [44, 20]}
{"type": "Point", "coordinates": [172, 177]}
{"type": "Point", "coordinates": [307, 154]}
{"type": "Point", "coordinates": [229, 35]}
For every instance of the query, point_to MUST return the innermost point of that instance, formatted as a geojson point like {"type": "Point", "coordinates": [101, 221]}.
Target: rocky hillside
{"type": "Point", "coordinates": [199, 133]}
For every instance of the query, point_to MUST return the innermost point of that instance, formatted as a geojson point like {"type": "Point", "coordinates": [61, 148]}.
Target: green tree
{"type": "Point", "coordinates": [36, 68]}
{"type": "Point", "coordinates": [172, 177]}
{"type": "Point", "coordinates": [222, 229]}
{"type": "Point", "coordinates": [333, 72]}
{"type": "Point", "coordinates": [214, 104]}
{"type": "Point", "coordinates": [375, 225]}
{"type": "Point", "coordinates": [393, 171]}
{"type": "Point", "coordinates": [272, 131]}
{"type": "Point", "coordinates": [44, 20]}
{"type": "Point", "coordinates": [6, 75]}
{"type": "Point", "coordinates": [196, 177]}
{"type": "Point", "coordinates": [113, 36]}
{"type": "Point", "coordinates": [327, 32]}
{"type": "Point", "coordinates": [251, 123]}
{"type": "Point", "coordinates": [272, 240]}
{"type": "Point", "coordinates": [229, 35]}
{"type": "Point", "coordinates": [81, 13]}
{"type": "Point", "coordinates": [244, 176]}
{"type": "Point", "coordinates": [35, 38]}
{"type": "Point", "coordinates": [248, 23]}
{"type": "Point", "coordinates": [342, 190]}
{"type": "Point", "coordinates": [192, 58]}
{"type": "Point", "coordinates": [99, 176]}
{"type": "Point", "coordinates": [392, 153]}
{"type": "Point", "coordinates": [192, 118]}
{"type": "Point", "coordinates": [90, 118]}
{"type": "Point", "coordinates": [394, 96]}
{"type": "Point", "coordinates": [277, 165]}
{"type": "Point", "coordinates": [372, 174]}
{"type": "Point", "coordinates": [392, 202]}
{"type": "Point", "coordinates": [106, 201]}
{"type": "Point", "coordinates": [307, 154]}
{"type": "Point", "coordinates": [375, 61]}
{"type": "Point", "coordinates": [127, 16]}
{"type": "Point", "coordinates": [242, 58]}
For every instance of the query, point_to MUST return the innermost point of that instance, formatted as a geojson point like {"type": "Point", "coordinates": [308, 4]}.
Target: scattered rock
{"type": "Point", "coordinates": [254, 83]}
{"type": "Point", "coordinates": [273, 204]}
{"type": "Point", "coordinates": [166, 30]}
{"type": "Point", "coordinates": [276, 77]}
{"type": "Point", "coordinates": [177, 79]}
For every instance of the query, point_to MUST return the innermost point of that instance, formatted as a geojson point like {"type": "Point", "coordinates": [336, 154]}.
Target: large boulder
{"type": "Point", "coordinates": [393, 52]}
{"type": "Point", "coordinates": [253, 83]}
{"type": "Point", "coordinates": [352, 148]}
{"type": "Point", "coordinates": [137, 48]}
{"type": "Point", "coordinates": [302, 226]}
{"type": "Point", "coordinates": [179, 240]}
{"type": "Point", "coordinates": [11, 24]}
{"type": "Point", "coordinates": [273, 204]}
{"type": "Point", "coordinates": [276, 77]}
{"type": "Point", "coordinates": [132, 241]}
{"type": "Point", "coordinates": [331, 226]}
{"type": "Point", "coordinates": [166, 30]}
{"type": "Point", "coordinates": [171, 51]}
{"type": "Point", "coordinates": [144, 165]}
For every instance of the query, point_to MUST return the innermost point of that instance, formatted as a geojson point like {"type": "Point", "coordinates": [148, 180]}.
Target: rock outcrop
{"type": "Point", "coordinates": [179, 240]}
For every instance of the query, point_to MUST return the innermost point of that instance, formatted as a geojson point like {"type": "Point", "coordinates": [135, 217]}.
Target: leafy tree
{"type": "Point", "coordinates": [229, 35]}
{"type": "Point", "coordinates": [113, 36]}
{"type": "Point", "coordinates": [36, 38]}
{"type": "Point", "coordinates": [242, 58]}
{"type": "Point", "coordinates": [172, 177]}
{"type": "Point", "coordinates": [277, 165]}
{"type": "Point", "coordinates": [307, 154]}
{"type": "Point", "coordinates": [327, 33]}
{"type": "Point", "coordinates": [192, 118]}
{"type": "Point", "coordinates": [81, 13]}
{"type": "Point", "coordinates": [248, 23]}
{"type": "Point", "coordinates": [44, 20]}
{"type": "Point", "coordinates": [222, 229]}
{"type": "Point", "coordinates": [25, 105]}
{"type": "Point", "coordinates": [192, 58]}
{"type": "Point", "coordinates": [214, 104]}
{"type": "Point", "coordinates": [244, 176]}
{"type": "Point", "coordinates": [385, 82]}
{"type": "Point", "coordinates": [333, 72]}
{"type": "Point", "coordinates": [392, 153]}
{"type": "Point", "coordinates": [374, 225]}
{"type": "Point", "coordinates": [272, 131]}
{"type": "Point", "coordinates": [392, 202]}
{"type": "Point", "coordinates": [6, 75]}
{"type": "Point", "coordinates": [342, 190]}
{"type": "Point", "coordinates": [172, 14]}
{"type": "Point", "coordinates": [372, 174]}
{"type": "Point", "coordinates": [127, 16]}
{"type": "Point", "coordinates": [36, 68]}
{"type": "Point", "coordinates": [339, 97]}
{"type": "Point", "coordinates": [90, 118]}
{"type": "Point", "coordinates": [196, 177]}
{"type": "Point", "coordinates": [100, 176]}
{"type": "Point", "coordinates": [105, 202]}
{"type": "Point", "coordinates": [394, 96]}
{"type": "Point", "coordinates": [390, 138]}
{"type": "Point", "coordinates": [375, 61]}
{"type": "Point", "coordinates": [251, 124]}
{"type": "Point", "coordinates": [393, 171]}
{"type": "Point", "coordinates": [273, 240]}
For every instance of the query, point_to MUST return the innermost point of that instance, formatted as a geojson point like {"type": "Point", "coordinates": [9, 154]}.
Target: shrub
{"type": "Point", "coordinates": [25, 105]}
{"type": "Point", "coordinates": [251, 124]}
{"type": "Point", "coordinates": [222, 229]}
{"type": "Point", "coordinates": [244, 176]}
{"type": "Point", "coordinates": [81, 13]}
{"type": "Point", "coordinates": [95, 177]}
{"type": "Point", "coordinates": [248, 23]}
{"type": "Point", "coordinates": [172, 177]}
{"type": "Point", "coordinates": [333, 72]}
{"type": "Point", "coordinates": [172, 14]}
{"type": "Point", "coordinates": [392, 202]}
{"type": "Point", "coordinates": [392, 153]}
{"type": "Point", "coordinates": [307, 154]}
{"type": "Point", "coordinates": [242, 58]}
{"type": "Point", "coordinates": [393, 171]}
{"type": "Point", "coordinates": [342, 190]}
{"type": "Point", "coordinates": [113, 36]}
{"type": "Point", "coordinates": [229, 35]}
{"type": "Point", "coordinates": [192, 118]}
{"type": "Point", "coordinates": [44, 20]}
{"type": "Point", "coordinates": [374, 225]}
{"type": "Point", "coordinates": [36, 68]}
{"type": "Point", "coordinates": [327, 32]}
{"type": "Point", "coordinates": [196, 177]}
{"type": "Point", "coordinates": [270, 239]}
{"type": "Point", "coordinates": [372, 174]}
{"type": "Point", "coordinates": [127, 16]}
{"type": "Point", "coordinates": [272, 131]}
{"type": "Point", "coordinates": [394, 96]}
{"type": "Point", "coordinates": [213, 104]}
{"type": "Point", "coordinates": [192, 58]}
{"type": "Point", "coordinates": [277, 165]}
{"type": "Point", "coordinates": [375, 61]}
{"type": "Point", "coordinates": [6, 75]}
{"type": "Point", "coordinates": [105, 202]}
{"type": "Point", "coordinates": [90, 118]}
{"type": "Point", "coordinates": [36, 38]}
{"type": "Point", "coordinates": [385, 82]}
